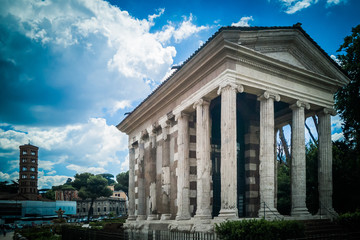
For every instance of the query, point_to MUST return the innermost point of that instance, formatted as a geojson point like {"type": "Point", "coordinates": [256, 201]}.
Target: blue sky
{"type": "Point", "coordinates": [69, 70]}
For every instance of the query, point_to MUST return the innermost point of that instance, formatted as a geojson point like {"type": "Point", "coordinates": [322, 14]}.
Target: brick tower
{"type": "Point", "coordinates": [28, 171]}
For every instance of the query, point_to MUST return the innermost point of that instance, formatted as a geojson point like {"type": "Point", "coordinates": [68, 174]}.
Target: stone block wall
{"type": "Point", "coordinates": [252, 144]}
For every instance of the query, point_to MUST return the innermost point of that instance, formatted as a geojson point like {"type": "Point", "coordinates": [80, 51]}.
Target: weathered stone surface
{"type": "Point", "coordinates": [298, 160]}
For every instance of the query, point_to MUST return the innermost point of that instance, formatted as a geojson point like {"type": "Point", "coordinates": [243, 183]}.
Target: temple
{"type": "Point", "coordinates": [202, 145]}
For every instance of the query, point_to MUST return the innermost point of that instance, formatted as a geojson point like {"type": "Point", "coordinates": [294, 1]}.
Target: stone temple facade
{"type": "Point", "coordinates": [202, 145]}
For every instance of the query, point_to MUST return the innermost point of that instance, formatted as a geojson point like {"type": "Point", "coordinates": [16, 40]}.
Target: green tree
{"type": "Point", "coordinates": [123, 182]}
{"type": "Point", "coordinates": [95, 187]}
{"type": "Point", "coordinates": [109, 177]}
{"type": "Point", "coordinates": [50, 194]}
{"type": "Point", "coordinates": [81, 180]}
{"type": "Point", "coordinates": [348, 97]}
{"type": "Point", "coordinates": [284, 192]}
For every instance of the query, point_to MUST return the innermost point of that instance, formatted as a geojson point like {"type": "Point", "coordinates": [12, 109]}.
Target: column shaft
{"type": "Point", "coordinates": [131, 193]}
{"type": "Point", "coordinates": [203, 160]}
{"type": "Point", "coordinates": [325, 164]}
{"type": "Point", "coordinates": [267, 166]}
{"type": "Point", "coordinates": [152, 178]}
{"type": "Point", "coordinates": [166, 173]}
{"type": "Point", "coordinates": [298, 160]}
{"type": "Point", "coordinates": [141, 183]}
{"type": "Point", "coordinates": [183, 184]}
{"type": "Point", "coordinates": [228, 166]}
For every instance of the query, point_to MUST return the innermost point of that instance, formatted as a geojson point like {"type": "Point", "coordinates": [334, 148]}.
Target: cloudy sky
{"type": "Point", "coordinates": [70, 69]}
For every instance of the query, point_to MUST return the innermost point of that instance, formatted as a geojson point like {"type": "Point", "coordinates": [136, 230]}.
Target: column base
{"type": "Point", "coordinates": [141, 217]}
{"type": "Point", "coordinates": [228, 213]}
{"type": "Point", "coordinates": [300, 212]}
{"type": "Point", "coordinates": [329, 213]}
{"type": "Point", "coordinates": [271, 213]}
{"type": "Point", "coordinates": [180, 218]}
{"type": "Point", "coordinates": [131, 218]}
{"type": "Point", "coordinates": [165, 216]}
{"type": "Point", "coordinates": [152, 217]}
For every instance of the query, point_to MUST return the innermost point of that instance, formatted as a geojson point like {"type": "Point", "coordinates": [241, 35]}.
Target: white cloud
{"type": "Point", "coordinates": [9, 177]}
{"type": "Point", "coordinates": [93, 145]}
{"type": "Point", "coordinates": [333, 57]}
{"type": "Point", "coordinates": [334, 2]}
{"type": "Point", "coordinates": [337, 136]}
{"type": "Point", "coordinates": [119, 105]}
{"type": "Point", "coordinates": [185, 30]}
{"type": "Point", "coordinates": [49, 181]}
{"type": "Point", "coordinates": [243, 22]}
{"type": "Point", "coordinates": [293, 6]}
{"type": "Point", "coordinates": [81, 169]}
{"type": "Point", "coordinates": [125, 164]}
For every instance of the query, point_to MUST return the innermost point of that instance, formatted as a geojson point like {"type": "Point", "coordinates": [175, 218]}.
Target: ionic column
{"type": "Point", "coordinates": [183, 184]}
{"type": "Point", "coordinates": [131, 191]}
{"type": "Point", "coordinates": [203, 159]}
{"type": "Point", "coordinates": [228, 166]}
{"type": "Point", "coordinates": [165, 184]}
{"type": "Point", "coordinates": [267, 165]}
{"type": "Point", "coordinates": [152, 176]}
{"type": "Point", "coordinates": [298, 160]}
{"type": "Point", "coordinates": [325, 163]}
{"type": "Point", "coordinates": [141, 183]}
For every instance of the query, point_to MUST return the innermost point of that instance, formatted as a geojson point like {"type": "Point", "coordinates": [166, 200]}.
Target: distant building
{"type": "Point", "coordinates": [102, 207]}
{"type": "Point", "coordinates": [66, 195]}
{"type": "Point", "coordinates": [118, 194]}
{"type": "Point", "coordinates": [28, 172]}
{"type": "Point", "coordinates": [11, 210]}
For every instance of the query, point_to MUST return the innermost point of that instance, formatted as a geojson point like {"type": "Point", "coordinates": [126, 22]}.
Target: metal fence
{"type": "Point", "coordinates": [69, 233]}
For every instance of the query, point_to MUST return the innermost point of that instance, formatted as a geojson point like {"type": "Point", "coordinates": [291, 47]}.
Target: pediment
{"type": "Point", "coordinates": [289, 46]}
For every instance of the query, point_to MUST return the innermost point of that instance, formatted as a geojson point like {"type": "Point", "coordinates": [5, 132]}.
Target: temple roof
{"type": "Point", "coordinates": [239, 29]}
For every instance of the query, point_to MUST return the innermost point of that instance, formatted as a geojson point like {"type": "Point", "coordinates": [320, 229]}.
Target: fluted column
{"type": "Point", "coordinates": [298, 160]}
{"type": "Point", "coordinates": [183, 184]}
{"type": "Point", "coordinates": [228, 166]}
{"type": "Point", "coordinates": [141, 183]}
{"type": "Point", "coordinates": [325, 163]}
{"type": "Point", "coordinates": [131, 191]}
{"type": "Point", "coordinates": [152, 175]}
{"type": "Point", "coordinates": [203, 159]}
{"type": "Point", "coordinates": [165, 183]}
{"type": "Point", "coordinates": [267, 145]}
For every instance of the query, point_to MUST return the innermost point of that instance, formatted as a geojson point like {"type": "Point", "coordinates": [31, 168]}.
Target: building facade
{"type": "Point", "coordinates": [28, 172]}
{"type": "Point", "coordinates": [102, 206]}
{"type": "Point", "coordinates": [202, 145]}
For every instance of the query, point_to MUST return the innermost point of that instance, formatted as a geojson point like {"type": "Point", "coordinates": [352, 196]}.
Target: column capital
{"type": "Point", "coordinates": [181, 114]}
{"type": "Point", "coordinates": [226, 85]}
{"type": "Point", "coordinates": [165, 125]}
{"type": "Point", "coordinates": [269, 94]}
{"type": "Point", "coordinates": [300, 104]}
{"type": "Point", "coordinates": [200, 102]}
{"type": "Point", "coordinates": [326, 111]}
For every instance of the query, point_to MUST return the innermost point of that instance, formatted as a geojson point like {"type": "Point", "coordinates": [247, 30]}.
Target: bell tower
{"type": "Point", "coordinates": [28, 173]}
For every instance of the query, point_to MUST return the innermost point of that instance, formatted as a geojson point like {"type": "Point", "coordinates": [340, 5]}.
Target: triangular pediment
{"type": "Point", "coordinates": [290, 46]}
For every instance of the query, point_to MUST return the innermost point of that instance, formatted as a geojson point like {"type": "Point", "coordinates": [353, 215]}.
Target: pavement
{"type": "Point", "coordinates": [9, 236]}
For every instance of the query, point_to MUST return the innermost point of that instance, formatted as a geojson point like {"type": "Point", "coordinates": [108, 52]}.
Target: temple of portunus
{"type": "Point", "coordinates": [202, 145]}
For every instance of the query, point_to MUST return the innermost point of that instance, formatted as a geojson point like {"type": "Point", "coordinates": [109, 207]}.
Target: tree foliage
{"type": "Point", "coordinates": [109, 177]}
{"type": "Point", "coordinates": [91, 187]}
{"type": "Point", "coordinates": [123, 182]}
{"type": "Point", "coordinates": [348, 97]}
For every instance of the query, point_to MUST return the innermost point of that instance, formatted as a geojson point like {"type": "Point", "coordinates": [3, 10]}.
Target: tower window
{"type": "Point", "coordinates": [24, 169]}
{"type": "Point", "coordinates": [24, 152]}
{"type": "Point", "coordinates": [33, 160]}
{"type": "Point", "coordinates": [33, 153]}
{"type": "Point", "coordinates": [32, 176]}
{"type": "Point", "coordinates": [32, 169]}
{"type": "Point", "coordinates": [23, 176]}
{"type": "Point", "coordinates": [24, 160]}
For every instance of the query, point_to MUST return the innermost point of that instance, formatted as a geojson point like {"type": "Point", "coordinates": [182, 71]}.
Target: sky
{"type": "Point", "coordinates": [70, 69]}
